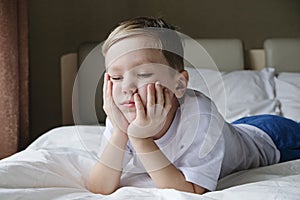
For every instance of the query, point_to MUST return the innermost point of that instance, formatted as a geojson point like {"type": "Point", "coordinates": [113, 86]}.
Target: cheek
{"type": "Point", "coordinates": [116, 91]}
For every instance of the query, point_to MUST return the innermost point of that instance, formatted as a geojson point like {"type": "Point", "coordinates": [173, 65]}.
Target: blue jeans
{"type": "Point", "coordinates": [284, 132]}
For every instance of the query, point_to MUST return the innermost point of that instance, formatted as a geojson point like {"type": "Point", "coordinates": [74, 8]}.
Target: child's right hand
{"type": "Point", "coordinates": [116, 117]}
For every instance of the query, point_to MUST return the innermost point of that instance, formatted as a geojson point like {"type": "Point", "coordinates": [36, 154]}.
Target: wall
{"type": "Point", "coordinates": [59, 26]}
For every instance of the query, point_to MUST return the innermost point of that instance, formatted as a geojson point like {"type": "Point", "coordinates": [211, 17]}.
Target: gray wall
{"type": "Point", "coordinates": [59, 26]}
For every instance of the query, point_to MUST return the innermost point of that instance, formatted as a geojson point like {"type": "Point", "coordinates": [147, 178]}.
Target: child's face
{"type": "Point", "coordinates": [132, 72]}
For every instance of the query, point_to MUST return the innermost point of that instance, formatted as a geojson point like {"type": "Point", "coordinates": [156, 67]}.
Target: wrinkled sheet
{"type": "Point", "coordinates": [56, 166]}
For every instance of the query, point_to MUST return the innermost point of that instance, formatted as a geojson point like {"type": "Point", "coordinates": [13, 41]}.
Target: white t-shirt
{"type": "Point", "coordinates": [202, 146]}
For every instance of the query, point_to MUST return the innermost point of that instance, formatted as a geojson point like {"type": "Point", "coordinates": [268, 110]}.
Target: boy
{"type": "Point", "coordinates": [163, 134]}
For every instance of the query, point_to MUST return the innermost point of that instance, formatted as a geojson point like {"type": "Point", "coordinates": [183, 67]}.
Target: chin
{"type": "Point", "coordinates": [130, 116]}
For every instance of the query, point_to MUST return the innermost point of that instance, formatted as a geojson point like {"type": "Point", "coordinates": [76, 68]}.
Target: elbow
{"type": "Point", "coordinates": [198, 189]}
{"type": "Point", "coordinates": [98, 188]}
{"type": "Point", "coordinates": [99, 191]}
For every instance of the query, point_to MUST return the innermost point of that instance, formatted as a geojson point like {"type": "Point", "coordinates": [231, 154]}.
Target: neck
{"type": "Point", "coordinates": [169, 120]}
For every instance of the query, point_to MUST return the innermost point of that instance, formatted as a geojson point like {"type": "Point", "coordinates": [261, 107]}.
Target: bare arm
{"type": "Point", "coordinates": [162, 172]}
{"type": "Point", "coordinates": [104, 178]}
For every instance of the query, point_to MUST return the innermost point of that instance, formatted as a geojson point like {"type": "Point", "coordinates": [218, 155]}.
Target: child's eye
{"type": "Point", "coordinates": [115, 78]}
{"type": "Point", "coordinates": [145, 75]}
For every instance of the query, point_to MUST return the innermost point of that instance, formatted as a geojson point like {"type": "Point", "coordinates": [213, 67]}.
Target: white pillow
{"type": "Point", "coordinates": [238, 93]}
{"type": "Point", "coordinates": [288, 93]}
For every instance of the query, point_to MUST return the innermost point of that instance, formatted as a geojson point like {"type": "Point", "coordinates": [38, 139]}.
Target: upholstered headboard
{"type": "Point", "coordinates": [225, 54]}
{"type": "Point", "coordinates": [283, 54]}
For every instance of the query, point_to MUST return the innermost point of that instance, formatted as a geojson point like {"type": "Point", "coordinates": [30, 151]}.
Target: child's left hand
{"type": "Point", "coordinates": [150, 119]}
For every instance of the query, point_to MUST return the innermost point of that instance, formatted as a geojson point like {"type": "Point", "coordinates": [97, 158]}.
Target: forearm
{"type": "Point", "coordinates": [105, 176]}
{"type": "Point", "coordinates": [160, 169]}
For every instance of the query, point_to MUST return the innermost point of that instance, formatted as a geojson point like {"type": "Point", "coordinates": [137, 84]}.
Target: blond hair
{"type": "Point", "coordinates": [170, 43]}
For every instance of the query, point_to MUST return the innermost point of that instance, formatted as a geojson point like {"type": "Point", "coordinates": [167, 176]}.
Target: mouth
{"type": "Point", "coordinates": [128, 104]}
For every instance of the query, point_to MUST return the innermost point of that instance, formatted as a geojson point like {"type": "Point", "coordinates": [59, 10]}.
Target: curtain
{"type": "Point", "coordinates": [14, 118]}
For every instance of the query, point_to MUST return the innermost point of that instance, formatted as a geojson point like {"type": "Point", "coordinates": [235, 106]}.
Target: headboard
{"type": "Point", "coordinates": [225, 54]}
{"type": "Point", "coordinates": [283, 54]}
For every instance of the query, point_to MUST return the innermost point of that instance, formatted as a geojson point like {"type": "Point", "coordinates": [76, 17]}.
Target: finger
{"type": "Point", "coordinates": [109, 94]}
{"type": "Point", "coordinates": [106, 98]}
{"type": "Point", "coordinates": [159, 94]}
{"type": "Point", "coordinates": [150, 100]}
{"type": "Point", "coordinates": [109, 88]}
{"type": "Point", "coordinates": [105, 82]}
{"type": "Point", "coordinates": [168, 100]}
{"type": "Point", "coordinates": [159, 99]}
{"type": "Point", "coordinates": [104, 89]}
{"type": "Point", "coordinates": [140, 111]}
{"type": "Point", "coordinates": [150, 95]}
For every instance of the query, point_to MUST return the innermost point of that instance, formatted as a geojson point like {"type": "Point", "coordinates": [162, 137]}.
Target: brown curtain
{"type": "Point", "coordinates": [14, 123]}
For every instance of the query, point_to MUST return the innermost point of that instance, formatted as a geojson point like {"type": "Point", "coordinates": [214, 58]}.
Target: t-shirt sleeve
{"type": "Point", "coordinates": [205, 171]}
{"type": "Point", "coordinates": [201, 163]}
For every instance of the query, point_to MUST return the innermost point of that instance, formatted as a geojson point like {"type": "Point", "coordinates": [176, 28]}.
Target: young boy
{"type": "Point", "coordinates": [161, 134]}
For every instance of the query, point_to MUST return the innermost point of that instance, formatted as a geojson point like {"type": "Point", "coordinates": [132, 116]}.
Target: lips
{"type": "Point", "coordinates": [128, 104]}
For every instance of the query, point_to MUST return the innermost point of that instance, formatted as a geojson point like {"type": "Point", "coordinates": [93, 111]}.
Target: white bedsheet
{"type": "Point", "coordinates": [56, 166]}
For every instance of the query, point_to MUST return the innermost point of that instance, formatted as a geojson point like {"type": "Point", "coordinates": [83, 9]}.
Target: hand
{"type": "Point", "coordinates": [149, 121]}
{"type": "Point", "coordinates": [116, 117]}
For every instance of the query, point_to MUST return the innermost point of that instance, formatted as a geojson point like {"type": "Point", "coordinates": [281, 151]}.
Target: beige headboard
{"type": "Point", "coordinates": [227, 54]}
{"type": "Point", "coordinates": [283, 54]}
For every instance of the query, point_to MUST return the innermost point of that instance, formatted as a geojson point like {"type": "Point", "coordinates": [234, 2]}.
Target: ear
{"type": "Point", "coordinates": [181, 83]}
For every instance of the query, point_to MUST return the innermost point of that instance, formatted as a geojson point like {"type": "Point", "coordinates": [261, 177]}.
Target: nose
{"type": "Point", "coordinates": [128, 85]}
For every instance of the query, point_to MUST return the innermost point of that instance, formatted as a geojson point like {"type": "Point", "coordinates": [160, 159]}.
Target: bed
{"type": "Point", "coordinates": [56, 165]}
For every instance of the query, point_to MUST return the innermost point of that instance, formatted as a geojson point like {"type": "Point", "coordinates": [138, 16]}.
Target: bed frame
{"type": "Point", "coordinates": [227, 54]}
